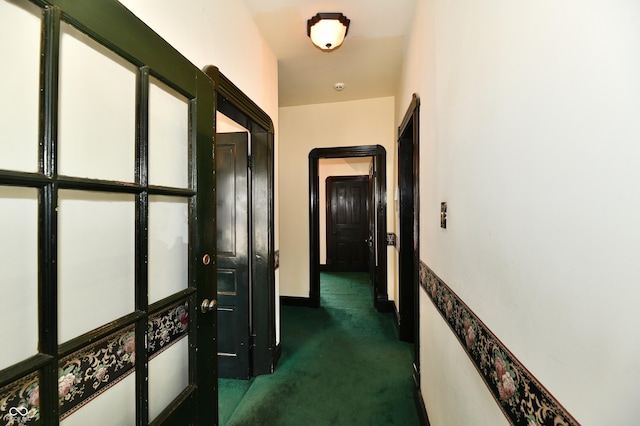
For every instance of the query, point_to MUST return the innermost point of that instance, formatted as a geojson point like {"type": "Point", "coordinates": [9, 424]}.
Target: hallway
{"type": "Point", "coordinates": [341, 364]}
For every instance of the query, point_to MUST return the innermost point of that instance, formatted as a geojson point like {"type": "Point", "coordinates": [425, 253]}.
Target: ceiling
{"type": "Point", "coordinates": [368, 62]}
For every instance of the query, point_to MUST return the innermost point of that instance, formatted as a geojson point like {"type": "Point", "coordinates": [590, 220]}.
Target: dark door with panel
{"type": "Point", "coordinates": [106, 193]}
{"type": "Point", "coordinates": [408, 215]}
{"type": "Point", "coordinates": [233, 254]}
{"type": "Point", "coordinates": [348, 223]}
{"type": "Point", "coordinates": [372, 237]}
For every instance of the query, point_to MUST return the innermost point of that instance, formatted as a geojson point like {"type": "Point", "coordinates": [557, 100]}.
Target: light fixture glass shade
{"type": "Point", "coordinates": [328, 30]}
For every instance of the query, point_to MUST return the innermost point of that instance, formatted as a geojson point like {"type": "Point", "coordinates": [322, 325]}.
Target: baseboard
{"type": "Point", "coordinates": [396, 316]}
{"type": "Point", "coordinates": [384, 305]}
{"type": "Point", "coordinates": [422, 409]}
{"type": "Point", "coordinates": [277, 352]}
{"type": "Point", "coordinates": [297, 301]}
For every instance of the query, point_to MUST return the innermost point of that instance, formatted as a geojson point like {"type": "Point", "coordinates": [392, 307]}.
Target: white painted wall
{"type": "Point", "coordinates": [529, 130]}
{"type": "Point", "coordinates": [303, 128]}
{"type": "Point", "coordinates": [357, 166]}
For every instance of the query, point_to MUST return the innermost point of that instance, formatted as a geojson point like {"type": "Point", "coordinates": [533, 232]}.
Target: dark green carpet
{"type": "Point", "coordinates": [341, 364]}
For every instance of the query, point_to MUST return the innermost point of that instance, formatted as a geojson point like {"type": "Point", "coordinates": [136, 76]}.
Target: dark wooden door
{"type": "Point", "coordinates": [408, 227]}
{"type": "Point", "coordinates": [372, 237]}
{"type": "Point", "coordinates": [348, 223]}
{"type": "Point", "coordinates": [233, 254]}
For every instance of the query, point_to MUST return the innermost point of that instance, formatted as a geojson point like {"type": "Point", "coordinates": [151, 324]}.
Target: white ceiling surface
{"type": "Point", "coordinates": [368, 62]}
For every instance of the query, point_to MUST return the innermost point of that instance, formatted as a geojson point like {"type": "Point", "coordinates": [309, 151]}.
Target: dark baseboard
{"type": "Point", "coordinates": [324, 268]}
{"type": "Point", "coordinates": [297, 301]}
{"type": "Point", "coordinates": [277, 352]}
{"type": "Point", "coordinates": [396, 316]}
{"type": "Point", "coordinates": [384, 305]}
{"type": "Point", "coordinates": [422, 409]}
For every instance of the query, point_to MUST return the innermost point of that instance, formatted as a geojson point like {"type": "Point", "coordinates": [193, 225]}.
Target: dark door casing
{"type": "Point", "coordinates": [409, 223]}
{"type": "Point", "coordinates": [347, 223]}
{"type": "Point", "coordinates": [372, 237]}
{"type": "Point", "coordinates": [233, 254]}
{"type": "Point", "coordinates": [380, 295]}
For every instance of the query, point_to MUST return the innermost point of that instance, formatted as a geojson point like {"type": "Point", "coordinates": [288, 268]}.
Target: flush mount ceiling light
{"type": "Point", "coordinates": [328, 30]}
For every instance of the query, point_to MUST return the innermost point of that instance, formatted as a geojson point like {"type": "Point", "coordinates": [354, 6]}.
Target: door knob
{"type": "Point", "coordinates": [208, 305]}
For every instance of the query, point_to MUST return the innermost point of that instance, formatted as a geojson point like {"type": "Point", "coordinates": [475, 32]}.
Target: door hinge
{"type": "Point", "coordinates": [252, 341]}
{"type": "Point", "coordinates": [250, 162]}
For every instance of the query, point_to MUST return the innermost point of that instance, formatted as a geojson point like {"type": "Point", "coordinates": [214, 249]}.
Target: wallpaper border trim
{"type": "Point", "coordinates": [521, 397]}
{"type": "Point", "coordinates": [88, 372]}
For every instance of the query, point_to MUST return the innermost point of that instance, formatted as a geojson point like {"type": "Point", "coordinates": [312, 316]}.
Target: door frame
{"type": "Point", "coordinates": [409, 229]}
{"type": "Point", "coordinates": [380, 293]}
{"type": "Point", "coordinates": [233, 103]}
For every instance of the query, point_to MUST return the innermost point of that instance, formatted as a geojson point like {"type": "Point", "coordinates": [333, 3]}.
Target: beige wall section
{"type": "Point", "coordinates": [335, 167]}
{"type": "Point", "coordinates": [530, 130]}
{"type": "Point", "coordinates": [303, 128]}
{"type": "Point", "coordinates": [212, 33]}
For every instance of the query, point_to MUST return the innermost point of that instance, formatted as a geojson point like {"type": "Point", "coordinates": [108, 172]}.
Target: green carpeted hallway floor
{"type": "Point", "coordinates": [341, 364]}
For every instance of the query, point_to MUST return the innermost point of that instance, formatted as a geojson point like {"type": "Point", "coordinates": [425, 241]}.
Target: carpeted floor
{"type": "Point", "coordinates": [341, 364]}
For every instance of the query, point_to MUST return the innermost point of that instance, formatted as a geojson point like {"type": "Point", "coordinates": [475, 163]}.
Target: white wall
{"type": "Point", "coordinates": [529, 130]}
{"type": "Point", "coordinates": [221, 34]}
{"type": "Point", "coordinates": [303, 128]}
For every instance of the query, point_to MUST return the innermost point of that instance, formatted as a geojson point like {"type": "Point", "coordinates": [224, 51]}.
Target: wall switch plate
{"type": "Point", "coordinates": [391, 239]}
{"type": "Point", "coordinates": [443, 215]}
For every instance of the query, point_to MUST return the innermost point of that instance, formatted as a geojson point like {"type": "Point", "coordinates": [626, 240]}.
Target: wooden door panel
{"type": "Point", "coordinates": [348, 223]}
{"type": "Point", "coordinates": [372, 237]}
{"type": "Point", "coordinates": [233, 254]}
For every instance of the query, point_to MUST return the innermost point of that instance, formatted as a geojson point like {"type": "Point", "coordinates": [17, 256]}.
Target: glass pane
{"type": "Point", "coordinates": [19, 86]}
{"type": "Point", "coordinates": [96, 256]}
{"type": "Point", "coordinates": [116, 406]}
{"type": "Point", "coordinates": [168, 137]}
{"type": "Point", "coordinates": [168, 246]}
{"type": "Point", "coordinates": [168, 376]}
{"type": "Point", "coordinates": [97, 110]}
{"type": "Point", "coordinates": [19, 277]}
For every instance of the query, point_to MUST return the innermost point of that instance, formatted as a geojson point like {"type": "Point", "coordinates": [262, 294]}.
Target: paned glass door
{"type": "Point", "coordinates": [107, 237]}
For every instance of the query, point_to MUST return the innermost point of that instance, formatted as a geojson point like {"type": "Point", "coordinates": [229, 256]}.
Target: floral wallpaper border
{"type": "Point", "coordinates": [522, 398]}
{"type": "Point", "coordinates": [19, 401]}
{"type": "Point", "coordinates": [166, 328]}
{"type": "Point", "coordinates": [85, 374]}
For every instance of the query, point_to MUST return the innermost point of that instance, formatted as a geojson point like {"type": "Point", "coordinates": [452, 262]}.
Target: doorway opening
{"type": "Point", "coordinates": [378, 262]}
